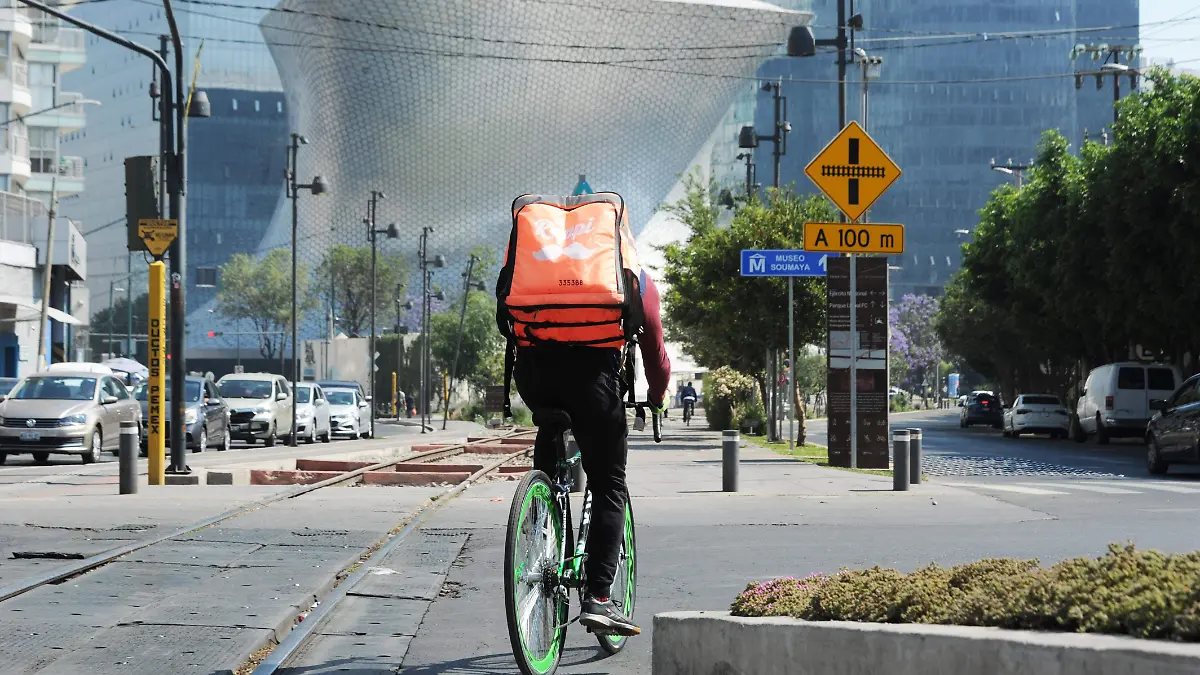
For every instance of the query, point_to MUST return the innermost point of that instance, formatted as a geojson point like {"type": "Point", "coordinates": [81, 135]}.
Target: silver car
{"type": "Point", "coordinates": [349, 413]}
{"type": "Point", "coordinates": [73, 412]}
{"type": "Point", "coordinates": [312, 413]}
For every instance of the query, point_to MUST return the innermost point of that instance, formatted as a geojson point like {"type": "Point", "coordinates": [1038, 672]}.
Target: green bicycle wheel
{"type": "Point", "coordinates": [624, 588]}
{"type": "Point", "coordinates": [537, 616]}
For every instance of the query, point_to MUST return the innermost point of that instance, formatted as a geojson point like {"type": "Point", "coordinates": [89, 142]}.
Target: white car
{"type": "Point", "coordinates": [261, 405]}
{"type": "Point", "coordinates": [1118, 399]}
{"type": "Point", "coordinates": [312, 413]}
{"type": "Point", "coordinates": [1036, 414]}
{"type": "Point", "coordinates": [349, 413]}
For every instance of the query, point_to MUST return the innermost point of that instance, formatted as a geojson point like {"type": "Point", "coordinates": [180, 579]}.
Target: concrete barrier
{"type": "Point", "coordinates": [715, 643]}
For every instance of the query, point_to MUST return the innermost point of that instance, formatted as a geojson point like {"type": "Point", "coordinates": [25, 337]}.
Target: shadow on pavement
{"type": "Point", "coordinates": [495, 663]}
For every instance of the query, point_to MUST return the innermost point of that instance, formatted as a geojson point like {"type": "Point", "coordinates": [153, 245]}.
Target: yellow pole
{"type": "Point", "coordinates": [156, 443]}
{"type": "Point", "coordinates": [395, 406]}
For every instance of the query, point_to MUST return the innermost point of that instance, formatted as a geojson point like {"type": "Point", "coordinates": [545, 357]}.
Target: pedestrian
{"type": "Point", "coordinates": [408, 405]}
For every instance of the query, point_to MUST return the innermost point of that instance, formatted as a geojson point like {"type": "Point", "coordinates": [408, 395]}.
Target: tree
{"type": "Point", "coordinates": [348, 269]}
{"type": "Point", "coordinates": [101, 326]}
{"type": "Point", "coordinates": [720, 318]}
{"type": "Point", "coordinates": [915, 340]}
{"type": "Point", "coordinates": [260, 291]}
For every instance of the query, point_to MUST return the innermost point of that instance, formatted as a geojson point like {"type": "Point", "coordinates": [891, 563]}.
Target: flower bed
{"type": "Point", "coordinates": [1144, 594]}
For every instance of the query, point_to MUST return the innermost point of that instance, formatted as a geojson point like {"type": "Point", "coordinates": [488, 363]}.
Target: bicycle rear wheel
{"type": "Point", "coordinates": [537, 616]}
{"type": "Point", "coordinates": [624, 588]}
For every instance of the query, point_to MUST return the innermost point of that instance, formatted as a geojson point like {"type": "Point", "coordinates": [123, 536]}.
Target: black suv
{"type": "Point", "coordinates": [982, 409]}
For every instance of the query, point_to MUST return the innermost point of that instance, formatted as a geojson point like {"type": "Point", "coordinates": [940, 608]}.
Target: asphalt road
{"type": "Point", "coordinates": [1089, 496]}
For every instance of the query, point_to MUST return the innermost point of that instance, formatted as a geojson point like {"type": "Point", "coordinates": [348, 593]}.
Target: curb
{"type": "Point", "coordinates": [685, 643]}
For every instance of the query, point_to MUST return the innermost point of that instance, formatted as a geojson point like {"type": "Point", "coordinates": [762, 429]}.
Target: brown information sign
{"type": "Point", "coordinates": [493, 399]}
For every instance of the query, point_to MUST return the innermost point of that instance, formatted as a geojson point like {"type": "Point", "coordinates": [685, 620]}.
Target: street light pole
{"type": "Point", "coordinates": [317, 187]}
{"type": "Point", "coordinates": [392, 232]}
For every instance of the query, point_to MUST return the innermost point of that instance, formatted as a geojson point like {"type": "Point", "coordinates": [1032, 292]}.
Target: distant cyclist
{"type": "Point", "coordinates": [688, 395]}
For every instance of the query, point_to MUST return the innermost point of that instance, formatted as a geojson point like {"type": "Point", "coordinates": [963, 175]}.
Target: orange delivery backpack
{"type": "Point", "coordinates": [570, 276]}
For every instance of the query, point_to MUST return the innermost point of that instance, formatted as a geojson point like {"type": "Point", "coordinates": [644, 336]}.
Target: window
{"type": "Point", "coordinates": [42, 80]}
{"type": "Point", "coordinates": [1040, 400]}
{"type": "Point", "coordinates": [41, 149]}
{"type": "Point", "coordinates": [4, 42]}
{"type": "Point", "coordinates": [235, 104]}
{"type": "Point", "coordinates": [206, 277]}
{"type": "Point", "coordinates": [1160, 379]}
{"type": "Point", "coordinates": [1186, 394]}
{"type": "Point", "coordinates": [1131, 378]}
{"type": "Point", "coordinates": [255, 105]}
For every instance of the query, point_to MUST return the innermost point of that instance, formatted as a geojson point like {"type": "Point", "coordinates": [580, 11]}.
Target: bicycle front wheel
{"type": "Point", "coordinates": [537, 614]}
{"type": "Point", "coordinates": [624, 588]}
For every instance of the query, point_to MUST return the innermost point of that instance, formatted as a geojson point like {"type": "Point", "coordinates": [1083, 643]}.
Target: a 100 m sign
{"type": "Point", "coordinates": [885, 238]}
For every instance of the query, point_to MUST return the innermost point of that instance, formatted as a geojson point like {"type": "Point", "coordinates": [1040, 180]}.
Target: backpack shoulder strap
{"type": "Point", "coordinates": [510, 362]}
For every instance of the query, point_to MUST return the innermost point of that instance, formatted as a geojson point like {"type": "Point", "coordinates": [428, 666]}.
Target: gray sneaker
{"type": "Point", "coordinates": [600, 615]}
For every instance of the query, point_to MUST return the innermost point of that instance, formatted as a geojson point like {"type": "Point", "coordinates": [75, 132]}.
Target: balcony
{"type": "Point", "coordinates": [14, 87]}
{"type": "Point", "coordinates": [14, 157]}
{"type": "Point", "coordinates": [68, 116]}
{"type": "Point", "coordinates": [15, 19]}
{"type": "Point", "coordinates": [52, 43]}
{"type": "Point", "coordinates": [70, 175]}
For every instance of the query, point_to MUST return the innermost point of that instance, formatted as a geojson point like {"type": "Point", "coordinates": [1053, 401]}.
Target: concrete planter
{"type": "Point", "coordinates": [715, 643]}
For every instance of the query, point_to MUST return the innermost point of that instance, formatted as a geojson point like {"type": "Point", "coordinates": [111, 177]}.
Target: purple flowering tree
{"type": "Point", "coordinates": [915, 348]}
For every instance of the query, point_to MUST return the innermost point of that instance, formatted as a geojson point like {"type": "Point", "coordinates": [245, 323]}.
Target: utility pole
{"type": "Point", "coordinates": [47, 266]}
{"type": "Point", "coordinates": [1109, 56]}
{"type": "Point", "coordinates": [750, 170]}
{"type": "Point", "coordinates": [392, 232]}
{"type": "Point", "coordinates": [462, 317]}
{"type": "Point", "coordinates": [426, 281]}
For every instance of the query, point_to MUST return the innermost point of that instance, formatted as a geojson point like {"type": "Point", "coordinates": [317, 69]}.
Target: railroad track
{"type": "Point", "coordinates": [86, 565]}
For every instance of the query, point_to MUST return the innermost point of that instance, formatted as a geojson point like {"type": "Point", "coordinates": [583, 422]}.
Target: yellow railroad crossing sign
{"type": "Point", "coordinates": [158, 234]}
{"type": "Point", "coordinates": [886, 238]}
{"type": "Point", "coordinates": [853, 171]}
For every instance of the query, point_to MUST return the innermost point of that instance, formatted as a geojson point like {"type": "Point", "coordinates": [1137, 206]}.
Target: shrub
{"type": "Point", "coordinates": [726, 391]}
{"type": "Point", "coordinates": [1144, 594]}
{"type": "Point", "coordinates": [899, 402]}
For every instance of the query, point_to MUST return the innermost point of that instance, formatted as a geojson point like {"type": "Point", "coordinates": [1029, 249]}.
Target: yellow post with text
{"type": "Point", "coordinates": [156, 410]}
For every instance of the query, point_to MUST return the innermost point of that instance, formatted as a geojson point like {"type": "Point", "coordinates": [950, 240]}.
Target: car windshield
{"type": "Point", "coordinates": [245, 389]}
{"type": "Point", "coordinates": [303, 394]}
{"type": "Point", "coordinates": [340, 397]}
{"type": "Point", "coordinates": [142, 393]}
{"type": "Point", "coordinates": [1041, 400]}
{"type": "Point", "coordinates": [56, 387]}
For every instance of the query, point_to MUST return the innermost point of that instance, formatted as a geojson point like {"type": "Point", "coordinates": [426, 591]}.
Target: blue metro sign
{"type": "Point", "coordinates": [786, 263]}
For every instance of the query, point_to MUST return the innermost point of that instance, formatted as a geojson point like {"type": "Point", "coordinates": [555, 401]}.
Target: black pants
{"type": "Point", "coordinates": [585, 382]}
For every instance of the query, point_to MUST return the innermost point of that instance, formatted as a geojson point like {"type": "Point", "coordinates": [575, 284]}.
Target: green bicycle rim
{"type": "Point", "coordinates": [546, 663]}
{"type": "Point", "coordinates": [630, 573]}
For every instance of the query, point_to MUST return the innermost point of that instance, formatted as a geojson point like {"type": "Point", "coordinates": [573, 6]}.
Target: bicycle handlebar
{"type": "Point", "coordinates": [640, 419]}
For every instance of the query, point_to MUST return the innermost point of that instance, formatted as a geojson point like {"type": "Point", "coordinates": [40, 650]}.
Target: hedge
{"type": "Point", "coordinates": [1145, 594]}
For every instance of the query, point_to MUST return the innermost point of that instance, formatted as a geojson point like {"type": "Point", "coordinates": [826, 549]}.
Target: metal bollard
{"type": "Point", "coordinates": [914, 456]}
{"type": "Point", "coordinates": [729, 460]}
{"type": "Point", "coordinates": [128, 454]}
{"type": "Point", "coordinates": [900, 460]}
{"type": "Point", "coordinates": [577, 474]}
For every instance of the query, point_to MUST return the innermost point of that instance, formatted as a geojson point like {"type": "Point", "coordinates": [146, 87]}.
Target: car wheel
{"type": "Point", "coordinates": [93, 454]}
{"type": "Point", "coordinates": [269, 441]}
{"type": "Point", "coordinates": [1101, 433]}
{"type": "Point", "coordinates": [1077, 433]}
{"type": "Point", "coordinates": [312, 434]}
{"type": "Point", "coordinates": [41, 457]}
{"type": "Point", "coordinates": [228, 442]}
{"type": "Point", "coordinates": [1154, 461]}
{"type": "Point", "coordinates": [203, 444]}
{"type": "Point", "coordinates": [328, 437]}
{"type": "Point", "coordinates": [3, 457]}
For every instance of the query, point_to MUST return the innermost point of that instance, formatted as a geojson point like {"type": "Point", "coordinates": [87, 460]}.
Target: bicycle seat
{"type": "Point", "coordinates": [552, 418]}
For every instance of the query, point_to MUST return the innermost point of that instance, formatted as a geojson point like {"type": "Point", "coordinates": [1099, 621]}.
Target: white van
{"type": "Point", "coordinates": [1116, 399]}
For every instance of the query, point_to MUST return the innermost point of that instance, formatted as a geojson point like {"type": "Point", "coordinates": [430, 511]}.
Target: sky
{"type": "Point", "coordinates": [1179, 40]}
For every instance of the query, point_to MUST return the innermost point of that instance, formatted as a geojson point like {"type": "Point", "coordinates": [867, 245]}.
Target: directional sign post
{"type": "Point", "coordinates": [790, 264]}
{"type": "Point", "coordinates": [158, 234]}
{"type": "Point", "coordinates": [853, 171]}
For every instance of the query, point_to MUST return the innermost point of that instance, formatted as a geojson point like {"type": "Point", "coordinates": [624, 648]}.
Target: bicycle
{"type": "Point", "coordinates": [538, 578]}
{"type": "Point", "coordinates": [689, 410]}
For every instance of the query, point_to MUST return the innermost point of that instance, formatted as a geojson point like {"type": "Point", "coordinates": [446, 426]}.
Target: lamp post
{"type": "Point", "coordinates": [317, 187]}
{"type": "Point", "coordinates": [373, 233]}
{"type": "Point", "coordinates": [750, 171]}
{"type": "Point", "coordinates": [401, 331]}
{"type": "Point", "coordinates": [426, 277]}
{"type": "Point", "coordinates": [462, 317]}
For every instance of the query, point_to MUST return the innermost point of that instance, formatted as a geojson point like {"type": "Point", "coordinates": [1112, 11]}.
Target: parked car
{"type": "Point", "coordinates": [349, 413]}
{"type": "Point", "coordinates": [1116, 399]}
{"type": "Point", "coordinates": [312, 415]}
{"type": "Point", "coordinates": [260, 404]}
{"type": "Point", "coordinates": [345, 384]}
{"type": "Point", "coordinates": [1173, 434]}
{"type": "Point", "coordinates": [66, 411]}
{"type": "Point", "coordinates": [981, 409]}
{"type": "Point", "coordinates": [1037, 414]}
{"type": "Point", "coordinates": [206, 415]}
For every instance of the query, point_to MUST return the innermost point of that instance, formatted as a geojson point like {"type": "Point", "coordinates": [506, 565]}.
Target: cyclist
{"type": "Point", "coordinates": [587, 383]}
{"type": "Point", "coordinates": [688, 395]}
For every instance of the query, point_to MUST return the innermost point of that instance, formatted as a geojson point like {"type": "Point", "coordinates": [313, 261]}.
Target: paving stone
{"type": "Point", "coordinates": [416, 569]}
{"type": "Point", "coordinates": [159, 650]}
{"type": "Point", "coordinates": [349, 654]}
